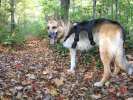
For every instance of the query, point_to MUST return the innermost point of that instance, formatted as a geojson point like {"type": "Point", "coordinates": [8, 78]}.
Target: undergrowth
{"type": "Point", "coordinates": [90, 55]}
{"type": "Point", "coordinates": [129, 41]}
{"type": "Point", "coordinates": [60, 50]}
{"type": "Point", "coordinates": [9, 39]}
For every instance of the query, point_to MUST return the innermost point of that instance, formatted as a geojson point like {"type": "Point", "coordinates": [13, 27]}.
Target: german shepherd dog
{"type": "Point", "coordinates": [108, 35]}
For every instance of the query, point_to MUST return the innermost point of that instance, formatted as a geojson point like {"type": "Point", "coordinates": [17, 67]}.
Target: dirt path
{"type": "Point", "coordinates": [36, 72]}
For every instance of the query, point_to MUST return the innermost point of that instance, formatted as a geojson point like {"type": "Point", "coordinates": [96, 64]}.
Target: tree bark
{"type": "Point", "coordinates": [94, 9]}
{"type": "Point", "coordinates": [12, 3]}
{"type": "Point", "coordinates": [112, 10]}
{"type": "Point", "coordinates": [116, 10]}
{"type": "Point", "coordinates": [65, 4]}
{"type": "Point", "coordinates": [0, 3]}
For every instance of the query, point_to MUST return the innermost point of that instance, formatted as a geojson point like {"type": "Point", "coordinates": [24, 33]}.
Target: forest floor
{"type": "Point", "coordinates": [37, 72]}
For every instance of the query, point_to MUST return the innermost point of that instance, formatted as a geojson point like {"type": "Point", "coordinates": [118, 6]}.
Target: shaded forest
{"type": "Point", "coordinates": [24, 18]}
{"type": "Point", "coordinates": [30, 69]}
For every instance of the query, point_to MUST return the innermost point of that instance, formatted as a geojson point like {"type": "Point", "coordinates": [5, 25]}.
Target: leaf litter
{"type": "Point", "coordinates": [38, 72]}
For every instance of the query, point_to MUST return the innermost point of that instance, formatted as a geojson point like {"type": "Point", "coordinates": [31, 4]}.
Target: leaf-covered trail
{"type": "Point", "coordinates": [36, 72]}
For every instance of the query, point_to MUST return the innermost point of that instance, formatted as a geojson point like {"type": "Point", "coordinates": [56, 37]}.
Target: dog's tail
{"type": "Point", "coordinates": [128, 65]}
{"type": "Point", "coordinates": [121, 60]}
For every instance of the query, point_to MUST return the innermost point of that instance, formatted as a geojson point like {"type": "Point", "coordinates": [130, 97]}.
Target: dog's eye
{"type": "Point", "coordinates": [54, 27]}
{"type": "Point", "coordinates": [48, 27]}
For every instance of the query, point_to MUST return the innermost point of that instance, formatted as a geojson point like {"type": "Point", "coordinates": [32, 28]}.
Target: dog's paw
{"type": "Point", "coordinates": [98, 84]}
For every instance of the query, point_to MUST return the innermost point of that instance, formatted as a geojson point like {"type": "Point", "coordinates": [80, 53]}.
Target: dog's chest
{"type": "Point", "coordinates": [83, 43]}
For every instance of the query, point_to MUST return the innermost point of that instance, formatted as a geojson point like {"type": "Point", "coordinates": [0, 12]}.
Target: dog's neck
{"type": "Point", "coordinates": [67, 28]}
{"type": "Point", "coordinates": [64, 29]}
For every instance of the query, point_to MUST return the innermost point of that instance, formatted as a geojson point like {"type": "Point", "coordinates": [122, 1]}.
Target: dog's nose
{"type": "Point", "coordinates": [52, 35]}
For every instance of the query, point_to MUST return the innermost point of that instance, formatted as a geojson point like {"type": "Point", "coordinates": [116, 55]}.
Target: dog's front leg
{"type": "Point", "coordinates": [73, 60]}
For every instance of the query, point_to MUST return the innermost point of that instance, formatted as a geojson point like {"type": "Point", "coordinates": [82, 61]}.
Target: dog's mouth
{"type": "Point", "coordinates": [52, 41]}
{"type": "Point", "coordinates": [52, 38]}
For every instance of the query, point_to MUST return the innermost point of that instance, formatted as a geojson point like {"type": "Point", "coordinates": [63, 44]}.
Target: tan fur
{"type": "Point", "coordinates": [110, 47]}
{"type": "Point", "coordinates": [109, 30]}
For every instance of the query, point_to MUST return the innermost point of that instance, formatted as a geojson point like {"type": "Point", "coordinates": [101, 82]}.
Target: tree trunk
{"type": "Point", "coordinates": [116, 10]}
{"type": "Point", "coordinates": [112, 10]}
{"type": "Point", "coordinates": [12, 3]}
{"type": "Point", "coordinates": [130, 10]}
{"type": "Point", "coordinates": [94, 9]}
{"type": "Point", "coordinates": [65, 4]}
{"type": "Point", "coordinates": [0, 3]}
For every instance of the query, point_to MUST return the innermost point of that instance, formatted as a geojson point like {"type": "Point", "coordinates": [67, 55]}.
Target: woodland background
{"type": "Point", "coordinates": [30, 69]}
{"type": "Point", "coordinates": [27, 17]}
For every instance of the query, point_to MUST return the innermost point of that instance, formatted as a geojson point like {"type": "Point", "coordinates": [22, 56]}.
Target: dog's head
{"type": "Point", "coordinates": [55, 30]}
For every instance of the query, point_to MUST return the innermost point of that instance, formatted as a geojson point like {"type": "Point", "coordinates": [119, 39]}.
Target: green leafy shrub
{"type": "Point", "coordinates": [8, 39]}
{"type": "Point", "coordinates": [61, 50]}
{"type": "Point", "coordinates": [42, 34]}
{"type": "Point", "coordinates": [90, 54]}
{"type": "Point", "coordinates": [129, 41]}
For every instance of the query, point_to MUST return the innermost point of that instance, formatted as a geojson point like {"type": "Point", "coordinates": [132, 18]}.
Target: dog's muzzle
{"type": "Point", "coordinates": [52, 36]}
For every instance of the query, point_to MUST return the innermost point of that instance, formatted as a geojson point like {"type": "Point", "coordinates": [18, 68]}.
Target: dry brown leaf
{"type": "Point", "coordinates": [53, 91]}
{"type": "Point", "coordinates": [96, 96]}
{"type": "Point", "coordinates": [88, 76]}
{"type": "Point", "coordinates": [130, 98]}
{"type": "Point", "coordinates": [43, 76]}
{"type": "Point", "coordinates": [59, 82]}
{"type": "Point", "coordinates": [45, 72]}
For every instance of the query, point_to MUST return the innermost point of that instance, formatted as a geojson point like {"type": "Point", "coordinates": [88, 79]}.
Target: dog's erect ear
{"type": "Point", "coordinates": [60, 23]}
{"type": "Point", "coordinates": [56, 16]}
{"type": "Point", "coordinates": [47, 18]}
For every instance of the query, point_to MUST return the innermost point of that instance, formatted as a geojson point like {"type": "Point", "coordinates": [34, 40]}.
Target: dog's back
{"type": "Point", "coordinates": [97, 27]}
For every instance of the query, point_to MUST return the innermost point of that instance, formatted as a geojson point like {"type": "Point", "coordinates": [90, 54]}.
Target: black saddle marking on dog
{"type": "Point", "coordinates": [88, 27]}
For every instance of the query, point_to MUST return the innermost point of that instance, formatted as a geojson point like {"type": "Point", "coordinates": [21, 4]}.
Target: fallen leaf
{"type": "Point", "coordinates": [18, 66]}
{"type": "Point", "coordinates": [53, 91]}
{"type": "Point", "coordinates": [112, 90]}
{"type": "Point", "coordinates": [31, 76]}
{"type": "Point", "coordinates": [59, 82]}
{"type": "Point", "coordinates": [19, 87]}
{"type": "Point", "coordinates": [45, 72]}
{"type": "Point", "coordinates": [123, 90]}
{"type": "Point", "coordinates": [97, 96]}
{"type": "Point", "coordinates": [130, 98]}
{"type": "Point", "coordinates": [88, 76]}
{"type": "Point", "coordinates": [107, 84]}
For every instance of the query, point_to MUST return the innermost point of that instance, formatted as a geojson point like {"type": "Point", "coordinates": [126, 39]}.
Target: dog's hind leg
{"type": "Point", "coordinates": [73, 59]}
{"type": "Point", "coordinates": [122, 62]}
{"type": "Point", "coordinates": [116, 70]}
{"type": "Point", "coordinates": [106, 58]}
